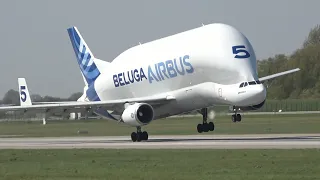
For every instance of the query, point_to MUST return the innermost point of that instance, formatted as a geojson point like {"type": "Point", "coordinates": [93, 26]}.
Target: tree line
{"type": "Point", "coordinates": [304, 84]}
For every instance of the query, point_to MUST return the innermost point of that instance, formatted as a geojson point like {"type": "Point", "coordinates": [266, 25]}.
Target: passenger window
{"type": "Point", "coordinates": [241, 85]}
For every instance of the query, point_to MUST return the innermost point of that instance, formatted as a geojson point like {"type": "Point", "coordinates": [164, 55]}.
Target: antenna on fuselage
{"type": "Point", "coordinates": [202, 24]}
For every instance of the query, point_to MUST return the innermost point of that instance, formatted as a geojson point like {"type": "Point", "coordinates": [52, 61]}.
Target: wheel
{"type": "Point", "coordinates": [134, 136]}
{"type": "Point", "coordinates": [205, 127]}
{"type": "Point", "coordinates": [199, 128]}
{"type": "Point", "coordinates": [211, 126]}
{"type": "Point", "coordinates": [234, 119]}
{"type": "Point", "coordinates": [238, 117]}
{"type": "Point", "coordinates": [144, 136]}
{"type": "Point", "coordinates": [139, 136]}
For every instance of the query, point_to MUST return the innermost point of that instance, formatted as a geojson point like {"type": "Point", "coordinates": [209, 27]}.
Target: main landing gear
{"type": "Point", "coordinates": [205, 126]}
{"type": "Point", "coordinates": [139, 135]}
{"type": "Point", "coordinates": [236, 117]}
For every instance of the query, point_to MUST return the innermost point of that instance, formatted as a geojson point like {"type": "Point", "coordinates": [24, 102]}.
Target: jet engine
{"type": "Point", "coordinates": [138, 114]}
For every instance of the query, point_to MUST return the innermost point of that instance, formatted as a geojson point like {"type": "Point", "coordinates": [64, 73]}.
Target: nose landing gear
{"type": "Point", "coordinates": [205, 126]}
{"type": "Point", "coordinates": [235, 117]}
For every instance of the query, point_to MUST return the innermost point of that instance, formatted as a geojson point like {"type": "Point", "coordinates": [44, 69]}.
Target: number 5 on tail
{"type": "Point", "coordinates": [25, 99]}
{"type": "Point", "coordinates": [23, 94]}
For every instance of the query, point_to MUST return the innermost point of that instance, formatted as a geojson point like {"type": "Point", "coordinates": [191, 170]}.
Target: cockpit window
{"type": "Point", "coordinates": [244, 84]}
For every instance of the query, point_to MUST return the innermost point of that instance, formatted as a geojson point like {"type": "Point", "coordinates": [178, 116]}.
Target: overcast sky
{"type": "Point", "coordinates": [34, 42]}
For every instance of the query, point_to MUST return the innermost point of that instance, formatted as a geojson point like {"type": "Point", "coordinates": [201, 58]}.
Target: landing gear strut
{"type": "Point", "coordinates": [139, 135]}
{"type": "Point", "coordinates": [235, 117]}
{"type": "Point", "coordinates": [205, 126]}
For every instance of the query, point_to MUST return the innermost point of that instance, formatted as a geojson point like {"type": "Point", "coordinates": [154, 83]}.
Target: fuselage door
{"type": "Point", "coordinates": [220, 92]}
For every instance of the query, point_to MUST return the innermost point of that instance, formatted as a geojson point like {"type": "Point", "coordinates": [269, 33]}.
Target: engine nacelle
{"type": "Point", "coordinates": [138, 114]}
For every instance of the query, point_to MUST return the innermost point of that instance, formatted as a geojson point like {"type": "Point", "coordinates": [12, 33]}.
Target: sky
{"type": "Point", "coordinates": [34, 42]}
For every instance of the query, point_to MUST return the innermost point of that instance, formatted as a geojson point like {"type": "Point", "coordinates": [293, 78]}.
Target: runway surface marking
{"type": "Point", "coordinates": [258, 141]}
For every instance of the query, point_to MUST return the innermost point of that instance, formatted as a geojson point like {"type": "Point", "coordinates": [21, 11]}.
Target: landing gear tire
{"type": "Point", "coordinates": [145, 135]}
{"type": "Point", "coordinates": [139, 136]}
{"type": "Point", "coordinates": [205, 127]}
{"type": "Point", "coordinates": [236, 118]}
{"type": "Point", "coordinates": [211, 126]}
{"type": "Point", "coordinates": [134, 136]}
{"type": "Point", "coordinates": [199, 128]}
{"type": "Point", "coordinates": [239, 117]}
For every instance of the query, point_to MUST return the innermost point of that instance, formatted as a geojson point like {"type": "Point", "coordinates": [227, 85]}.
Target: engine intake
{"type": "Point", "coordinates": [138, 114]}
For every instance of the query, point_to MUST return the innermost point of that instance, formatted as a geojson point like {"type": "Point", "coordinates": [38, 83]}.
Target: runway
{"type": "Point", "coordinates": [270, 141]}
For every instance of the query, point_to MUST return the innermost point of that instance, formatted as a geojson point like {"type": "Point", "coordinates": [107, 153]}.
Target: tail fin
{"type": "Point", "coordinates": [25, 99]}
{"type": "Point", "coordinates": [84, 56]}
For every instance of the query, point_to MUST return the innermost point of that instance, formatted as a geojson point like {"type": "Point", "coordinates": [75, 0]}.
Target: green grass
{"type": "Point", "coordinates": [159, 164]}
{"type": "Point", "coordinates": [173, 126]}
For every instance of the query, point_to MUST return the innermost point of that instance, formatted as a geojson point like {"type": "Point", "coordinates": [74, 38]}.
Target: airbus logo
{"type": "Point", "coordinates": [157, 72]}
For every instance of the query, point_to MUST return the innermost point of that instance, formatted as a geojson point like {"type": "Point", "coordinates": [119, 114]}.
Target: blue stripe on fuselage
{"type": "Point", "coordinates": [93, 96]}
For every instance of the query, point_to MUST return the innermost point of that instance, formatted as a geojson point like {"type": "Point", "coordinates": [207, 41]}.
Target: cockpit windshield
{"type": "Point", "coordinates": [244, 84]}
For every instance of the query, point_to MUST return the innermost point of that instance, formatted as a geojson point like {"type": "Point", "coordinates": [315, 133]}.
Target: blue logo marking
{"type": "Point", "coordinates": [157, 72]}
{"type": "Point", "coordinates": [240, 49]}
{"type": "Point", "coordinates": [128, 77]}
{"type": "Point", "coordinates": [84, 57]}
{"type": "Point", "coordinates": [170, 69]}
{"type": "Point", "coordinates": [23, 94]}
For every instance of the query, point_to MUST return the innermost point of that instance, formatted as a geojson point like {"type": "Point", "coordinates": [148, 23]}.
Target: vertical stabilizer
{"type": "Point", "coordinates": [84, 56]}
{"type": "Point", "coordinates": [25, 99]}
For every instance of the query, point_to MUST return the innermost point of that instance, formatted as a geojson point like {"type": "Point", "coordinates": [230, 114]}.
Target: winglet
{"type": "Point", "coordinates": [25, 99]}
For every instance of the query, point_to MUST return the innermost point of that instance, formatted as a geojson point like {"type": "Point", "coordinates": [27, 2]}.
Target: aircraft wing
{"type": "Point", "coordinates": [109, 105]}
{"type": "Point", "coordinates": [278, 74]}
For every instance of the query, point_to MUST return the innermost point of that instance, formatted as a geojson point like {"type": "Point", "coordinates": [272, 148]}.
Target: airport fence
{"type": "Point", "coordinates": [291, 105]}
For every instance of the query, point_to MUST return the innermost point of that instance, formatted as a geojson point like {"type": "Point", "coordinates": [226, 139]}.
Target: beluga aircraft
{"type": "Point", "coordinates": [210, 65]}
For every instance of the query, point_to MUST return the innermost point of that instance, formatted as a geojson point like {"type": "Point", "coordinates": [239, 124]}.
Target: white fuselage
{"type": "Point", "coordinates": [197, 67]}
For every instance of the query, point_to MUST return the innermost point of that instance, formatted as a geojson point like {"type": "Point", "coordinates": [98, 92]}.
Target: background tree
{"type": "Point", "coordinates": [302, 84]}
{"type": "Point", "coordinates": [11, 97]}
{"type": "Point", "coordinates": [75, 96]}
{"type": "Point", "coordinates": [313, 37]}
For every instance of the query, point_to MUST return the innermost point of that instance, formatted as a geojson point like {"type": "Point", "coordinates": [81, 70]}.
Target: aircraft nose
{"type": "Point", "coordinates": [260, 93]}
